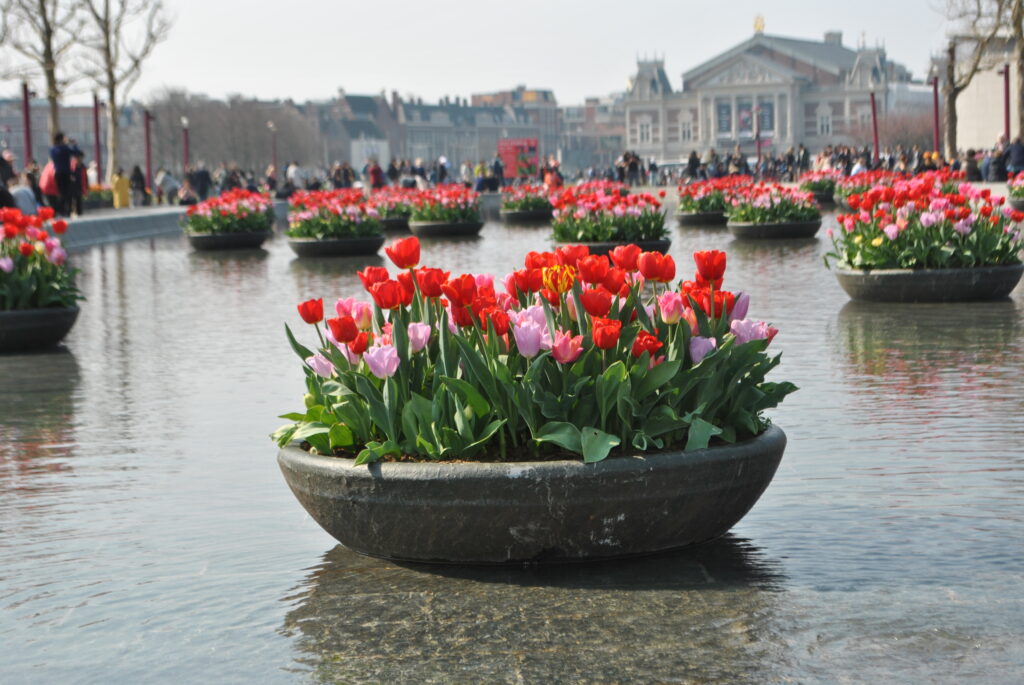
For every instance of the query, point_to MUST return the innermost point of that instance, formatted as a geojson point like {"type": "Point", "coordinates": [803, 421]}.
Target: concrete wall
{"type": "Point", "coordinates": [112, 226]}
{"type": "Point", "coordinates": [979, 109]}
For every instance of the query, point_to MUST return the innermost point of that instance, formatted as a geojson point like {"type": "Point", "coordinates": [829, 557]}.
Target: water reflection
{"type": "Point", "coordinates": [361, 618]}
{"type": "Point", "coordinates": [922, 348]}
{"type": "Point", "coordinates": [37, 416]}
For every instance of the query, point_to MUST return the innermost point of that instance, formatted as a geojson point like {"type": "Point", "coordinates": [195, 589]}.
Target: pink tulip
{"type": "Point", "coordinates": [746, 330]}
{"type": "Point", "coordinates": [531, 338]}
{"type": "Point", "coordinates": [419, 336]}
{"type": "Point", "coordinates": [671, 305]}
{"type": "Point", "coordinates": [566, 348]}
{"type": "Point", "coordinates": [6, 264]}
{"type": "Point", "coordinates": [382, 360]}
{"type": "Point", "coordinates": [321, 365]}
{"type": "Point", "coordinates": [700, 347]}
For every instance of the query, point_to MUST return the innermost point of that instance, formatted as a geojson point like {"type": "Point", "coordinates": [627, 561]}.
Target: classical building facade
{"type": "Point", "coordinates": [784, 91]}
{"type": "Point", "coordinates": [594, 133]}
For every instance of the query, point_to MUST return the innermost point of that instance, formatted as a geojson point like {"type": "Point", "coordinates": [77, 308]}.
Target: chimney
{"type": "Point", "coordinates": [396, 101]}
{"type": "Point", "coordinates": [834, 38]}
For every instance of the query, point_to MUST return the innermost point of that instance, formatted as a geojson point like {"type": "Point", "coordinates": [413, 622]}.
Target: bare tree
{"type": "Point", "coordinates": [43, 33]}
{"type": "Point", "coordinates": [978, 23]}
{"type": "Point", "coordinates": [1015, 15]}
{"type": "Point", "coordinates": [119, 36]}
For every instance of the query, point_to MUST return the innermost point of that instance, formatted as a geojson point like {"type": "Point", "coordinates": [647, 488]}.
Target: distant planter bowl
{"type": "Point", "coordinates": [395, 223]}
{"type": "Point", "coordinates": [227, 241]}
{"type": "Point", "coordinates": [514, 512]}
{"type": "Point", "coordinates": [1017, 203]}
{"type": "Point", "coordinates": [782, 229]}
{"type": "Point", "coordinates": [444, 229]}
{"type": "Point", "coordinates": [525, 216]}
{"type": "Point", "coordinates": [840, 201]}
{"type": "Point", "coordinates": [701, 218]}
{"type": "Point", "coordinates": [599, 248]}
{"type": "Point", "coordinates": [930, 285]}
{"type": "Point", "coordinates": [824, 198]}
{"type": "Point", "coordinates": [24, 330]}
{"type": "Point", "coordinates": [336, 247]}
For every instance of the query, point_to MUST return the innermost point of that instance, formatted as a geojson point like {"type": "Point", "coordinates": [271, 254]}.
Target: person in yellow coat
{"type": "Point", "coordinates": [120, 187]}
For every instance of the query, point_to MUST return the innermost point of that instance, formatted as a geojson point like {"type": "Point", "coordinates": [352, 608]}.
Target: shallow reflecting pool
{"type": "Point", "coordinates": [146, 534]}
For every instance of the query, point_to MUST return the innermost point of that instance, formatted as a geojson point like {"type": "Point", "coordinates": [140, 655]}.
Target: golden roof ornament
{"type": "Point", "coordinates": [759, 24]}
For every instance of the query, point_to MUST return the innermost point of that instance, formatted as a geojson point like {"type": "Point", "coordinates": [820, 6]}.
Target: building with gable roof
{"type": "Point", "coordinates": [785, 91]}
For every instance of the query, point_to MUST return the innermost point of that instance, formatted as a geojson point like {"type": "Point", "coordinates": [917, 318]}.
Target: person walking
{"type": "Point", "coordinates": [61, 154]}
{"type": "Point", "coordinates": [137, 181]}
{"type": "Point", "coordinates": [120, 187]}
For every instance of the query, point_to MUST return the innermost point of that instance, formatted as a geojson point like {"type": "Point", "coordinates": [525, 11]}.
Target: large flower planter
{"type": "Point", "coordinates": [930, 285]}
{"type": "Point", "coordinates": [782, 229]}
{"type": "Point", "coordinates": [525, 216]}
{"type": "Point", "coordinates": [395, 223]}
{"type": "Point", "coordinates": [600, 248]}
{"type": "Point", "coordinates": [560, 511]}
{"type": "Point", "coordinates": [1017, 203]}
{"type": "Point", "coordinates": [24, 330]}
{"type": "Point", "coordinates": [227, 241]}
{"type": "Point", "coordinates": [701, 218]}
{"type": "Point", "coordinates": [445, 229]}
{"type": "Point", "coordinates": [336, 247]}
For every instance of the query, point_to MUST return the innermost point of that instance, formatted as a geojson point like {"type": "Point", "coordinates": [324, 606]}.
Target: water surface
{"type": "Point", "coordinates": [146, 534]}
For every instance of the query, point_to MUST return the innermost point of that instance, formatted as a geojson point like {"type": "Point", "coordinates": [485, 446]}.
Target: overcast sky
{"type": "Point", "coordinates": [307, 49]}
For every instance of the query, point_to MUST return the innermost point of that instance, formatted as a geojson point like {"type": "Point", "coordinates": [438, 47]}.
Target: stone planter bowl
{"type": "Point", "coordinates": [824, 198]}
{"type": "Point", "coordinates": [441, 229]}
{"type": "Point", "coordinates": [930, 285]}
{"type": "Point", "coordinates": [701, 218]}
{"type": "Point", "coordinates": [25, 330]}
{"type": "Point", "coordinates": [784, 229]}
{"type": "Point", "coordinates": [395, 223]}
{"type": "Point", "coordinates": [337, 247]}
{"type": "Point", "coordinates": [603, 248]}
{"type": "Point", "coordinates": [514, 512]}
{"type": "Point", "coordinates": [1016, 203]}
{"type": "Point", "coordinates": [525, 216]}
{"type": "Point", "coordinates": [227, 241]}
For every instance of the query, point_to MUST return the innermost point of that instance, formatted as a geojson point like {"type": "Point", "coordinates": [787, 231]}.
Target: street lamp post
{"type": "Point", "coordinates": [147, 119]}
{"type": "Point", "coordinates": [874, 126]}
{"type": "Point", "coordinates": [96, 137]}
{"type": "Point", "coordinates": [26, 120]}
{"type": "Point", "coordinates": [184, 145]}
{"type": "Point", "coordinates": [273, 145]}
{"type": "Point", "coordinates": [935, 113]}
{"type": "Point", "coordinates": [1005, 73]}
{"type": "Point", "coordinates": [757, 135]}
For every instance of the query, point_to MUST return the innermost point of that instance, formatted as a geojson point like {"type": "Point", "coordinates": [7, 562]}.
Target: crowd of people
{"type": "Point", "coordinates": [65, 180]}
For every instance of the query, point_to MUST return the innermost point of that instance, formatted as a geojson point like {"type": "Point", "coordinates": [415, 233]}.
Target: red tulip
{"type": "Point", "coordinates": [594, 269]}
{"type": "Point", "coordinates": [615, 282]}
{"type": "Point", "coordinates": [710, 264]}
{"type": "Point", "coordinates": [387, 294]}
{"type": "Point", "coordinates": [498, 319]}
{"type": "Point", "coordinates": [529, 280]}
{"type": "Point", "coordinates": [570, 255]}
{"type": "Point", "coordinates": [460, 290]}
{"type": "Point", "coordinates": [343, 328]}
{"type": "Point", "coordinates": [606, 332]}
{"type": "Point", "coordinates": [625, 257]}
{"type": "Point", "coordinates": [430, 281]}
{"type": "Point", "coordinates": [60, 226]}
{"type": "Point", "coordinates": [646, 342]}
{"type": "Point", "coordinates": [26, 249]}
{"type": "Point", "coordinates": [405, 253]}
{"type": "Point", "coordinates": [371, 275]}
{"type": "Point", "coordinates": [538, 260]}
{"type": "Point", "coordinates": [11, 230]}
{"type": "Point", "coordinates": [46, 213]}
{"type": "Point", "coordinates": [311, 311]}
{"type": "Point", "coordinates": [657, 267]}
{"type": "Point", "coordinates": [597, 301]}
{"type": "Point", "coordinates": [361, 342]}
{"type": "Point", "coordinates": [405, 279]}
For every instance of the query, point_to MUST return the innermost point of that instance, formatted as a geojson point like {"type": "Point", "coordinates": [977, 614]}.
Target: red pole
{"type": "Point", "coordinates": [184, 143]}
{"type": "Point", "coordinates": [273, 149]}
{"type": "Point", "coordinates": [146, 119]}
{"type": "Point", "coordinates": [1006, 102]}
{"type": "Point", "coordinates": [26, 121]}
{"type": "Point", "coordinates": [96, 136]}
{"type": "Point", "coordinates": [935, 113]}
{"type": "Point", "coordinates": [874, 125]}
